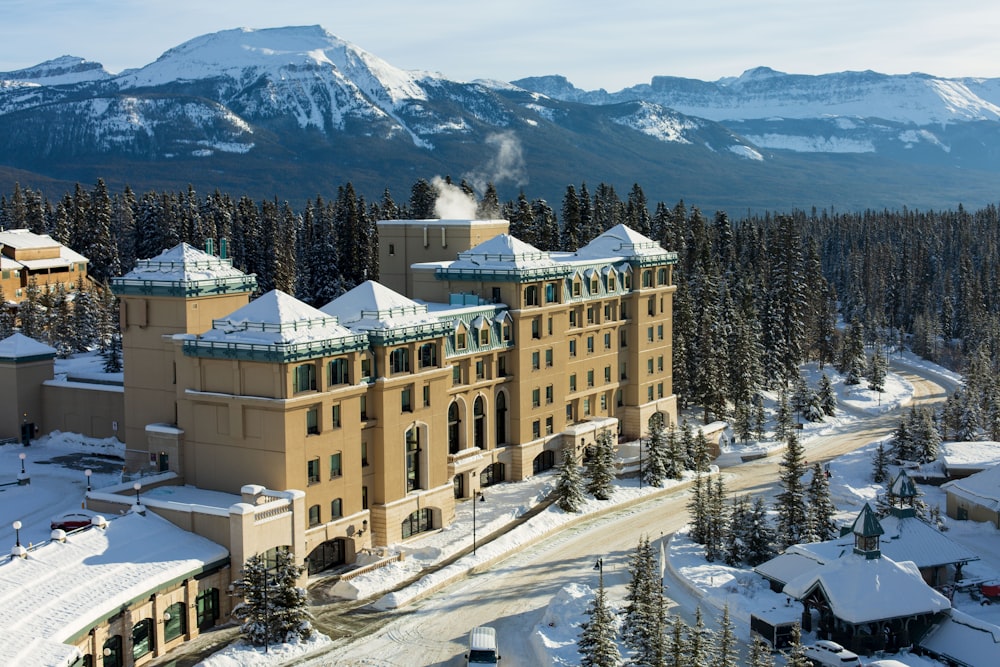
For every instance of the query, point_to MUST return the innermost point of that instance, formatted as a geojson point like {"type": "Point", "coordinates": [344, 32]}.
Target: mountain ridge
{"type": "Point", "coordinates": [224, 107]}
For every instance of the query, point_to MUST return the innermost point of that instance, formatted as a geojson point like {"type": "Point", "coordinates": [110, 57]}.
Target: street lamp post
{"type": "Point", "coordinates": [21, 456]}
{"type": "Point", "coordinates": [88, 472]}
{"type": "Point", "coordinates": [482, 499]}
{"type": "Point", "coordinates": [640, 462]}
{"type": "Point", "coordinates": [17, 532]}
{"type": "Point", "coordinates": [23, 478]}
{"type": "Point", "coordinates": [137, 486]}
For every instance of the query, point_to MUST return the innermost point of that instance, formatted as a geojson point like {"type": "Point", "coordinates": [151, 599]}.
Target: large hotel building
{"type": "Point", "coordinates": [474, 361]}
{"type": "Point", "coordinates": [269, 424]}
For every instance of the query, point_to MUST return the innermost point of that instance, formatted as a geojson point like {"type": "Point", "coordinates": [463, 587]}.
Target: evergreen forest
{"type": "Point", "coordinates": [756, 297]}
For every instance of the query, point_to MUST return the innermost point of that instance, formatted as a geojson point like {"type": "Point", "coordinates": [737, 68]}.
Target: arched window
{"type": "Point", "coordinates": [479, 423]}
{"type": "Point", "coordinates": [326, 555]}
{"type": "Point", "coordinates": [661, 276]}
{"type": "Point", "coordinates": [454, 429]}
{"type": "Point", "coordinates": [143, 639]}
{"type": "Point", "coordinates": [544, 461]}
{"type": "Point", "coordinates": [175, 621]}
{"type": "Point", "coordinates": [492, 474]}
{"type": "Point", "coordinates": [112, 652]}
{"type": "Point", "coordinates": [418, 522]}
{"type": "Point", "coordinates": [501, 419]}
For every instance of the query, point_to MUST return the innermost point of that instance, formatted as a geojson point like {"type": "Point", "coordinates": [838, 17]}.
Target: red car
{"type": "Point", "coordinates": [72, 520]}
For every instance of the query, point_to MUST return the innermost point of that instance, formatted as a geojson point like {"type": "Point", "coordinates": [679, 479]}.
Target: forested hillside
{"type": "Point", "coordinates": [756, 297]}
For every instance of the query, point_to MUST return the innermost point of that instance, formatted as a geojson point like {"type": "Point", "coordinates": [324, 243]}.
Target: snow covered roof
{"type": "Point", "coordinates": [787, 566]}
{"type": "Point", "coordinates": [183, 270]}
{"type": "Point", "coordinates": [502, 252]}
{"type": "Point", "coordinates": [964, 639]}
{"type": "Point", "coordinates": [862, 590]}
{"type": "Point", "coordinates": [982, 488]}
{"type": "Point", "coordinates": [62, 588]}
{"type": "Point", "coordinates": [19, 347]}
{"type": "Point", "coordinates": [970, 456]}
{"type": "Point", "coordinates": [902, 539]}
{"type": "Point", "coordinates": [279, 324]}
{"type": "Point", "coordinates": [385, 314]}
{"type": "Point", "coordinates": [624, 243]}
{"type": "Point", "coordinates": [23, 239]}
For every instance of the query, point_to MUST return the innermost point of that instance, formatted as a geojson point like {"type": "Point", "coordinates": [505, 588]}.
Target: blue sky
{"type": "Point", "coordinates": [594, 43]}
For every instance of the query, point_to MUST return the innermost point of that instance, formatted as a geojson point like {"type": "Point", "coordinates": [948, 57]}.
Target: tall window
{"type": "Point", "coordinates": [336, 508]}
{"type": "Point", "coordinates": [363, 403]}
{"type": "Point", "coordinates": [335, 416]}
{"type": "Point", "coordinates": [461, 341]}
{"type": "Point", "coordinates": [548, 394]}
{"type": "Point", "coordinates": [312, 421]}
{"type": "Point", "coordinates": [536, 327]}
{"type": "Point", "coordinates": [305, 377]}
{"type": "Point", "coordinates": [550, 292]}
{"type": "Point", "coordinates": [454, 424]}
{"type": "Point", "coordinates": [428, 355]}
{"type": "Point", "coordinates": [535, 397]}
{"type": "Point", "coordinates": [548, 358]}
{"type": "Point", "coordinates": [479, 422]}
{"type": "Point", "coordinates": [312, 470]}
{"type": "Point", "coordinates": [338, 372]}
{"type": "Point", "coordinates": [413, 459]}
{"type": "Point", "coordinates": [535, 361]}
{"type": "Point", "coordinates": [175, 623]}
{"type": "Point", "coordinates": [143, 639]}
{"type": "Point", "coordinates": [314, 515]}
{"type": "Point", "coordinates": [336, 465]}
{"type": "Point", "coordinates": [501, 419]}
{"type": "Point", "coordinates": [406, 399]}
{"type": "Point", "coordinates": [399, 360]}
{"type": "Point", "coordinates": [531, 295]}
{"type": "Point", "coordinates": [572, 382]}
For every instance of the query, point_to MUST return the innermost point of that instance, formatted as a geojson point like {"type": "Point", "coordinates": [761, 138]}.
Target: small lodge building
{"type": "Point", "coordinates": [859, 597]}
{"type": "Point", "coordinates": [976, 497]}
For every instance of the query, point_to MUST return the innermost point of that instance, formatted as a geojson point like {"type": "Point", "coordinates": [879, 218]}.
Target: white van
{"type": "Point", "coordinates": [482, 647]}
{"type": "Point", "coordinates": [830, 653]}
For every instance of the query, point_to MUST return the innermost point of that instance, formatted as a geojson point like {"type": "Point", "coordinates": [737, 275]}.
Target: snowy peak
{"type": "Point", "coordinates": [64, 70]}
{"type": "Point", "coordinates": [244, 55]}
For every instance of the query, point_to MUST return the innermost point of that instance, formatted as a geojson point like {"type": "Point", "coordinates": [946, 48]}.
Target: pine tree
{"type": "Point", "coordinates": [31, 313]}
{"type": "Point", "coordinates": [783, 420]}
{"type": "Point", "coordinates": [726, 652]}
{"type": "Point", "coordinates": [698, 509]}
{"type": "Point", "coordinates": [673, 467]}
{"type": "Point", "coordinates": [796, 656]}
{"type": "Point", "coordinates": [716, 520]}
{"type": "Point", "coordinates": [737, 537]}
{"type": "Point", "coordinates": [877, 369]}
{"type": "Point", "coordinates": [701, 643]}
{"type": "Point", "coordinates": [597, 637]}
{"type": "Point", "coordinates": [570, 240]}
{"type": "Point", "coordinates": [569, 488]}
{"type": "Point", "coordinates": [790, 503]}
{"type": "Point", "coordinates": [760, 544]}
{"type": "Point", "coordinates": [827, 397]}
{"type": "Point", "coordinates": [489, 205]}
{"type": "Point", "coordinates": [113, 355]}
{"type": "Point", "coordinates": [6, 317]}
{"type": "Point", "coordinates": [819, 507]}
{"type": "Point", "coordinates": [643, 592]}
{"type": "Point", "coordinates": [86, 317]}
{"type": "Point", "coordinates": [677, 645]}
{"type": "Point", "coordinates": [273, 610]}
{"type": "Point", "coordinates": [601, 467]}
{"type": "Point", "coordinates": [760, 652]}
{"type": "Point", "coordinates": [880, 464]}
{"type": "Point", "coordinates": [654, 472]}
{"type": "Point", "coordinates": [852, 357]}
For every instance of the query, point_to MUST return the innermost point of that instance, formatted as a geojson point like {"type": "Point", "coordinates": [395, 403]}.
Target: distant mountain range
{"type": "Point", "coordinates": [295, 112]}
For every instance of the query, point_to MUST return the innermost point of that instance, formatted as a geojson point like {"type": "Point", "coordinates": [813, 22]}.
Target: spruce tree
{"type": "Point", "coordinates": [597, 644]}
{"type": "Point", "coordinates": [796, 655]}
{"type": "Point", "coordinates": [762, 537]}
{"type": "Point", "coordinates": [698, 509]}
{"type": "Point", "coordinates": [601, 467]}
{"type": "Point", "coordinates": [273, 610]}
{"type": "Point", "coordinates": [760, 652]}
{"type": "Point", "coordinates": [643, 592]}
{"type": "Point", "coordinates": [877, 370]}
{"type": "Point", "coordinates": [113, 355]}
{"type": "Point", "coordinates": [673, 464]}
{"type": "Point", "coordinates": [880, 464]}
{"type": "Point", "coordinates": [291, 601]}
{"type": "Point", "coordinates": [790, 504]}
{"type": "Point", "coordinates": [676, 644]}
{"type": "Point", "coordinates": [6, 317]}
{"type": "Point", "coordinates": [737, 537]}
{"type": "Point", "coordinates": [783, 420]}
{"type": "Point", "coordinates": [827, 397]}
{"type": "Point", "coordinates": [819, 507]}
{"type": "Point", "coordinates": [701, 643]}
{"type": "Point", "coordinates": [655, 471]}
{"type": "Point", "coordinates": [569, 488]}
{"type": "Point", "coordinates": [727, 654]}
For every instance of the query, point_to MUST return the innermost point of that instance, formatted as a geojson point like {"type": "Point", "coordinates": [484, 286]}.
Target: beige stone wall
{"type": "Point", "coordinates": [974, 512]}
{"type": "Point", "coordinates": [21, 398]}
{"type": "Point", "coordinates": [96, 411]}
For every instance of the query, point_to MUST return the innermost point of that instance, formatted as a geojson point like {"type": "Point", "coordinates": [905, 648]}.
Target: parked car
{"type": "Point", "coordinates": [825, 652]}
{"type": "Point", "coordinates": [482, 647]}
{"type": "Point", "coordinates": [72, 520]}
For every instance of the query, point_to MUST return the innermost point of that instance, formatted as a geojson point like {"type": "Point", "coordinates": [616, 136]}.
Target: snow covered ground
{"type": "Point", "coordinates": [56, 463]}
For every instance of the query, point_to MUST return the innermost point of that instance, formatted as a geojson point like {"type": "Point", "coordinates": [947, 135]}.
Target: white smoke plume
{"type": "Point", "coordinates": [452, 203]}
{"type": "Point", "coordinates": [506, 165]}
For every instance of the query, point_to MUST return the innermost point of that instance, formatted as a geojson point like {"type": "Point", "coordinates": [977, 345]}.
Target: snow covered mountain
{"type": "Point", "coordinates": [295, 111]}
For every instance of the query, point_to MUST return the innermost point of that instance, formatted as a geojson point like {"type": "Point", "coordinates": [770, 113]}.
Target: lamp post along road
{"type": "Point", "coordinates": [17, 533]}
{"type": "Point", "coordinates": [88, 472]}
{"type": "Point", "coordinates": [482, 499]}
